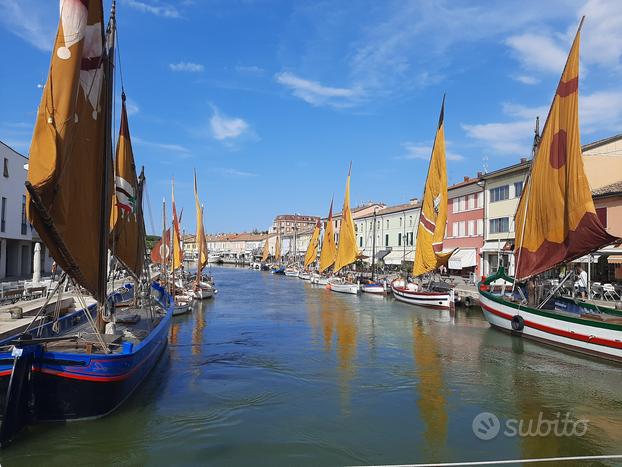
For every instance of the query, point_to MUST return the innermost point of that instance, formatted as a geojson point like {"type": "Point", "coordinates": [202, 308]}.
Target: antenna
{"type": "Point", "coordinates": [485, 164]}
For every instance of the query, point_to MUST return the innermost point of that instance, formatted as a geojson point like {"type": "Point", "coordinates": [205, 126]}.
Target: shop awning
{"type": "Point", "coordinates": [614, 259]}
{"type": "Point", "coordinates": [586, 259]}
{"type": "Point", "coordinates": [464, 258]}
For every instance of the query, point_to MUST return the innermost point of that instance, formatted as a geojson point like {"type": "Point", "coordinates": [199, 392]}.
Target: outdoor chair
{"type": "Point", "coordinates": [597, 290]}
{"type": "Point", "coordinates": [609, 292]}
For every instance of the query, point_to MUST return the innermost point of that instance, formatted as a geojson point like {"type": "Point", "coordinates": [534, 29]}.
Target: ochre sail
{"type": "Point", "coordinates": [128, 241]}
{"type": "Point", "coordinates": [68, 159]}
{"type": "Point", "coordinates": [556, 209]}
{"type": "Point", "coordinates": [266, 249]}
{"type": "Point", "coordinates": [277, 249]}
{"type": "Point", "coordinates": [347, 252]}
{"type": "Point", "coordinates": [433, 216]}
{"type": "Point", "coordinates": [311, 254]}
{"type": "Point", "coordinates": [177, 252]}
{"type": "Point", "coordinates": [329, 249]}
{"type": "Point", "coordinates": [200, 240]}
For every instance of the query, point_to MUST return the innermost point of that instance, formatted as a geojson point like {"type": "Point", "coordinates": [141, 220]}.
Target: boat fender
{"type": "Point", "coordinates": [484, 288]}
{"type": "Point", "coordinates": [468, 302]}
{"type": "Point", "coordinates": [518, 323]}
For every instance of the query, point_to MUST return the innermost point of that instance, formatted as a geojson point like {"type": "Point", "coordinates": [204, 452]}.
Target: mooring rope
{"type": "Point", "coordinates": [513, 461]}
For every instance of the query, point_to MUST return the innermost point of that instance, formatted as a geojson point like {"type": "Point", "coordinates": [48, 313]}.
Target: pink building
{"type": "Point", "coordinates": [465, 226]}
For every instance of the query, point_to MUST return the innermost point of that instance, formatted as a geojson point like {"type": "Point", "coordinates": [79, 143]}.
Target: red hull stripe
{"type": "Point", "coordinates": [614, 344]}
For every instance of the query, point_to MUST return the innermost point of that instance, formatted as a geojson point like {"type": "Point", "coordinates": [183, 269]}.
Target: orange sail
{"type": "Point", "coordinates": [311, 254]}
{"type": "Point", "coordinates": [277, 249]}
{"type": "Point", "coordinates": [433, 216]}
{"type": "Point", "coordinates": [200, 239]}
{"type": "Point", "coordinates": [329, 250]}
{"type": "Point", "coordinates": [69, 157]}
{"type": "Point", "coordinates": [178, 255]}
{"type": "Point", "coordinates": [347, 252]}
{"type": "Point", "coordinates": [128, 243]}
{"type": "Point", "coordinates": [556, 220]}
{"type": "Point", "coordinates": [266, 249]}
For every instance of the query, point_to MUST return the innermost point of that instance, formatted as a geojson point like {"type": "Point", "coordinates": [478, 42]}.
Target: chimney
{"type": "Point", "coordinates": [479, 174]}
{"type": "Point", "coordinates": [414, 201]}
{"type": "Point", "coordinates": [466, 179]}
{"type": "Point", "coordinates": [523, 160]}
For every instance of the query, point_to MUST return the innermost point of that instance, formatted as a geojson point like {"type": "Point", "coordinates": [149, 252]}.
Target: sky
{"type": "Point", "coordinates": [270, 100]}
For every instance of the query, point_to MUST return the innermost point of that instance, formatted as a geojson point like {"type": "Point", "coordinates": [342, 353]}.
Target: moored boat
{"type": "Point", "coordinates": [375, 288]}
{"type": "Point", "coordinates": [337, 284]}
{"type": "Point", "coordinates": [414, 294]}
{"type": "Point", "coordinates": [305, 276]}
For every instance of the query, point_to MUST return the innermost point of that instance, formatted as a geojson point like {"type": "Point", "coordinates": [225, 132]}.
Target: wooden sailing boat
{"type": "Point", "coordinates": [277, 267]}
{"type": "Point", "coordinates": [374, 287]}
{"type": "Point", "coordinates": [68, 368]}
{"type": "Point", "coordinates": [311, 253]}
{"type": "Point", "coordinates": [176, 285]}
{"type": "Point", "coordinates": [556, 223]}
{"type": "Point", "coordinates": [430, 233]}
{"type": "Point", "coordinates": [347, 252]}
{"type": "Point", "coordinates": [200, 289]}
{"type": "Point", "coordinates": [328, 251]}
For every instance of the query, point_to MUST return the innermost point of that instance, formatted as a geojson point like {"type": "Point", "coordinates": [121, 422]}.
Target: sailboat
{"type": "Point", "coordinates": [328, 252]}
{"type": "Point", "coordinates": [200, 289]}
{"type": "Point", "coordinates": [277, 267]}
{"type": "Point", "coordinates": [430, 233]}
{"type": "Point", "coordinates": [374, 287]}
{"type": "Point", "coordinates": [347, 252]}
{"type": "Point", "coordinates": [84, 364]}
{"type": "Point", "coordinates": [556, 223]}
{"type": "Point", "coordinates": [311, 253]}
{"type": "Point", "coordinates": [183, 301]}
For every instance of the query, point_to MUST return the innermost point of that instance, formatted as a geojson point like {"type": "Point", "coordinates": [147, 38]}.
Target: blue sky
{"type": "Point", "coordinates": [270, 100]}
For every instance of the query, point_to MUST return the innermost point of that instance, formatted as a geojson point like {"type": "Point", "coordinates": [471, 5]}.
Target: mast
{"type": "Point", "coordinates": [107, 156]}
{"type": "Point", "coordinates": [163, 244]}
{"type": "Point", "coordinates": [373, 248]}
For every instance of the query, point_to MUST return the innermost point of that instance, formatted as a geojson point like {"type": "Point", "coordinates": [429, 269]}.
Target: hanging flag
{"type": "Point", "coordinates": [329, 249]}
{"type": "Point", "coordinates": [556, 220]}
{"type": "Point", "coordinates": [433, 215]}
{"type": "Point", "coordinates": [311, 254]}
{"type": "Point", "coordinates": [347, 252]}
{"type": "Point", "coordinates": [68, 159]}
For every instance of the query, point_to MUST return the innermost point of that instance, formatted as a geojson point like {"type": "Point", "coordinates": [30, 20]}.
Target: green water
{"type": "Point", "coordinates": [276, 371]}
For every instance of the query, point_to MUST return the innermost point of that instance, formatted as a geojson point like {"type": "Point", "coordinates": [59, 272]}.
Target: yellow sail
{"type": "Point", "coordinates": [556, 220]}
{"type": "Point", "coordinates": [266, 249]}
{"type": "Point", "coordinates": [277, 249]}
{"type": "Point", "coordinates": [311, 254]}
{"type": "Point", "coordinates": [128, 243]}
{"type": "Point", "coordinates": [69, 160]}
{"type": "Point", "coordinates": [433, 216]}
{"type": "Point", "coordinates": [329, 249]}
{"type": "Point", "coordinates": [347, 252]}
{"type": "Point", "coordinates": [177, 251]}
{"type": "Point", "coordinates": [199, 239]}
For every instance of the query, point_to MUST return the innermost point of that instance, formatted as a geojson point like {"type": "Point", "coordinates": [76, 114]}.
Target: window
{"type": "Point", "coordinates": [410, 238]}
{"type": "Point", "coordinates": [480, 227]}
{"type": "Point", "coordinates": [518, 189]}
{"type": "Point", "coordinates": [3, 216]}
{"type": "Point", "coordinates": [410, 220]}
{"type": "Point", "coordinates": [454, 229]}
{"type": "Point", "coordinates": [6, 167]}
{"type": "Point", "coordinates": [480, 199]}
{"type": "Point", "coordinates": [456, 204]}
{"type": "Point", "coordinates": [500, 193]}
{"type": "Point", "coordinates": [602, 216]}
{"type": "Point", "coordinates": [462, 229]}
{"type": "Point", "coordinates": [386, 240]}
{"type": "Point", "coordinates": [499, 225]}
{"type": "Point", "coordinates": [399, 238]}
{"type": "Point", "coordinates": [361, 242]}
{"type": "Point", "coordinates": [472, 201]}
{"type": "Point", "coordinates": [462, 203]}
{"type": "Point", "coordinates": [471, 227]}
{"type": "Point", "coordinates": [387, 223]}
{"type": "Point", "coordinates": [24, 223]}
{"type": "Point", "coordinates": [400, 221]}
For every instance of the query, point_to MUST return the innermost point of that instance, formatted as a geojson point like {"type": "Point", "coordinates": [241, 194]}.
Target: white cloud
{"type": "Point", "coordinates": [187, 66]}
{"type": "Point", "coordinates": [32, 21]}
{"type": "Point", "coordinates": [423, 151]}
{"type": "Point", "coordinates": [177, 148]}
{"type": "Point", "coordinates": [602, 32]}
{"type": "Point", "coordinates": [538, 52]}
{"type": "Point", "coordinates": [157, 8]}
{"type": "Point", "coordinates": [224, 128]}
{"type": "Point", "coordinates": [525, 79]}
{"type": "Point", "coordinates": [317, 94]}
{"type": "Point", "coordinates": [235, 172]}
{"type": "Point", "coordinates": [601, 111]}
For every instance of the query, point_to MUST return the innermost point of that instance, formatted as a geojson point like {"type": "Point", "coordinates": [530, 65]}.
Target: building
{"type": "Point", "coordinates": [17, 237]}
{"type": "Point", "coordinates": [503, 189]}
{"type": "Point", "coordinates": [288, 223]}
{"type": "Point", "coordinates": [357, 212]}
{"type": "Point", "coordinates": [236, 247]}
{"type": "Point", "coordinates": [607, 265]}
{"type": "Point", "coordinates": [465, 226]}
{"type": "Point", "coordinates": [395, 232]}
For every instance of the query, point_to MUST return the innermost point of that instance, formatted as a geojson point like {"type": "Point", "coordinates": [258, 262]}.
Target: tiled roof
{"type": "Point", "coordinates": [600, 142]}
{"type": "Point", "coordinates": [614, 188]}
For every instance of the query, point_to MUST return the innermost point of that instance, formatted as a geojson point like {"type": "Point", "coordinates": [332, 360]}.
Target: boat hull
{"type": "Point", "coordinates": [304, 276]}
{"type": "Point", "coordinates": [601, 339]}
{"type": "Point", "coordinates": [377, 289]}
{"type": "Point", "coordinates": [437, 300]}
{"type": "Point", "coordinates": [344, 288]}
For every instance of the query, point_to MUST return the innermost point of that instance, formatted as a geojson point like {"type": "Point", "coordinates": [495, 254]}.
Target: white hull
{"type": "Point", "coordinates": [602, 339]}
{"type": "Point", "coordinates": [182, 305]}
{"type": "Point", "coordinates": [291, 273]}
{"type": "Point", "coordinates": [203, 292]}
{"type": "Point", "coordinates": [343, 288]}
{"type": "Point", "coordinates": [422, 298]}
{"type": "Point", "coordinates": [373, 288]}
{"type": "Point", "coordinates": [304, 276]}
{"type": "Point", "coordinates": [214, 259]}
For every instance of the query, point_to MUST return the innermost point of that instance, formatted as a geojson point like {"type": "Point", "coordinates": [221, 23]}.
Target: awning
{"type": "Point", "coordinates": [493, 247]}
{"type": "Point", "coordinates": [465, 258]}
{"type": "Point", "coordinates": [382, 253]}
{"type": "Point", "coordinates": [614, 259]}
{"type": "Point", "coordinates": [586, 259]}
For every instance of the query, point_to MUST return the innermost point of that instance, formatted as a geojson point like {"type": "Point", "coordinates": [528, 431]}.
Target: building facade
{"type": "Point", "coordinates": [288, 223]}
{"type": "Point", "coordinates": [465, 226]}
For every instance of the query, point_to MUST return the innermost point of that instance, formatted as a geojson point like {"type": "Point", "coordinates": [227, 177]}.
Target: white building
{"type": "Point", "coordinates": [17, 237]}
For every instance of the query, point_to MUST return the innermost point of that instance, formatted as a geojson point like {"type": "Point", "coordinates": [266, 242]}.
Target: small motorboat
{"type": "Point", "coordinates": [378, 288]}
{"type": "Point", "coordinates": [183, 304]}
{"type": "Point", "coordinates": [338, 284]}
{"type": "Point", "coordinates": [305, 276]}
{"type": "Point", "coordinates": [436, 296]}
{"type": "Point", "coordinates": [214, 258]}
{"type": "Point", "coordinates": [319, 280]}
{"type": "Point", "coordinates": [280, 271]}
{"type": "Point", "coordinates": [291, 272]}
{"type": "Point", "coordinates": [201, 291]}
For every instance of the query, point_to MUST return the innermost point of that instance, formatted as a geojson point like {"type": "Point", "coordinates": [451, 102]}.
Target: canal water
{"type": "Point", "coordinates": [276, 371]}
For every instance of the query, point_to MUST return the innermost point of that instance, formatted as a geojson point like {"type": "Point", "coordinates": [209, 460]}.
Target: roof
{"type": "Point", "coordinates": [11, 149]}
{"type": "Point", "coordinates": [296, 217]}
{"type": "Point", "coordinates": [523, 164]}
{"type": "Point", "coordinates": [391, 209]}
{"type": "Point", "coordinates": [237, 237]}
{"type": "Point", "coordinates": [601, 142]}
{"type": "Point", "coordinates": [608, 190]}
{"type": "Point", "coordinates": [465, 182]}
